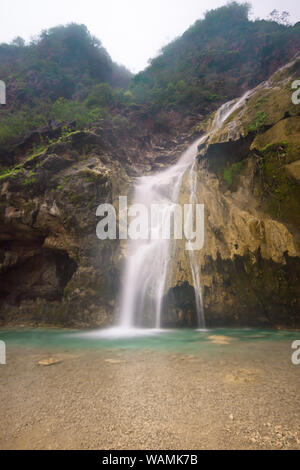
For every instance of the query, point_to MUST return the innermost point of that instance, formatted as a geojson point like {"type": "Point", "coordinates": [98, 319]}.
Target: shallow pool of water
{"type": "Point", "coordinates": [168, 389]}
{"type": "Point", "coordinates": [175, 340]}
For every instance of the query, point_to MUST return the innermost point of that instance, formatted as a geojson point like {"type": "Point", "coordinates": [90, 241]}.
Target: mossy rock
{"type": "Point", "coordinates": [274, 99]}
{"type": "Point", "coordinates": [94, 176]}
{"type": "Point", "coordinates": [280, 192]}
{"type": "Point", "coordinates": [286, 131]}
{"type": "Point", "coordinates": [293, 170]}
{"type": "Point", "coordinates": [230, 175]}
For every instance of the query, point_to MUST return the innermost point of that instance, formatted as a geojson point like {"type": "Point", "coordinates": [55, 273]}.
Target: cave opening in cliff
{"type": "Point", "coordinates": [41, 276]}
{"type": "Point", "coordinates": [179, 307]}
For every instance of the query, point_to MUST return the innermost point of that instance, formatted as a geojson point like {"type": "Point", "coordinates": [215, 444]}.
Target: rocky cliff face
{"type": "Point", "coordinates": [248, 180]}
{"type": "Point", "coordinates": [53, 269]}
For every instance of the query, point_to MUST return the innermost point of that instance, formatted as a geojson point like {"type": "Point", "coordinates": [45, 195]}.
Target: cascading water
{"type": "Point", "coordinates": [148, 261]}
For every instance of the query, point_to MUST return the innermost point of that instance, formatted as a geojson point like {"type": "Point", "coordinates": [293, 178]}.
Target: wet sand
{"type": "Point", "coordinates": [240, 397]}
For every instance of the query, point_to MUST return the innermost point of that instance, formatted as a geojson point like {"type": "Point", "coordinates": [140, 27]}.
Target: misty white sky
{"type": "Point", "coordinates": [132, 31]}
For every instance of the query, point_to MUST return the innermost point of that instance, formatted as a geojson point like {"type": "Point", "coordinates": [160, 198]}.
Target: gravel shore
{"type": "Point", "coordinates": [242, 397]}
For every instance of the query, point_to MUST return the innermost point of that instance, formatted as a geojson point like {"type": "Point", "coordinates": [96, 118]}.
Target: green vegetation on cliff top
{"type": "Point", "coordinates": [216, 59]}
{"type": "Point", "coordinates": [66, 75]}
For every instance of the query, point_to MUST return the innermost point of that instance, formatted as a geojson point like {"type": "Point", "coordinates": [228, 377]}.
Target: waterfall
{"type": "Point", "coordinates": [148, 261]}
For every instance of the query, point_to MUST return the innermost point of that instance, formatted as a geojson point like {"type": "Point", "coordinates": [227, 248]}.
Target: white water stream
{"type": "Point", "coordinates": [148, 261]}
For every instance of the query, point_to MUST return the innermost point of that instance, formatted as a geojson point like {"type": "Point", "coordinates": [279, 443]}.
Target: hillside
{"type": "Point", "coordinates": [66, 79]}
{"type": "Point", "coordinates": [215, 60]}
{"type": "Point", "coordinates": [62, 62]}
{"type": "Point", "coordinates": [65, 74]}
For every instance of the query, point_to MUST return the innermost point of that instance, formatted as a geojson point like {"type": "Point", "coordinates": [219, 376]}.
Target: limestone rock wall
{"type": "Point", "coordinates": [247, 180]}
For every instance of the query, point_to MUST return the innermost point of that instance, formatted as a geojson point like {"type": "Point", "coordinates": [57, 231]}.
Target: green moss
{"type": "Point", "coordinates": [75, 199]}
{"type": "Point", "coordinates": [37, 153]}
{"type": "Point", "coordinates": [29, 181]}
{"type": "Point", "coordinates": [260, 102]}
{"type": "Point", "coordinates": [274, 102]}
{"type": "Point", "coordinates": [93, 176]}
{"type": "Point", "coordinates": [14, 170]}
{"type": "Point", "coordinates": [231, 173]}
{"type": "Point", "coordinates": [6, 173]}
{"type": "Point", "coordinates": [92, 202]}
{"type": "Point", "coordinates": [257, 124]}
{"type": "Point", "coordinates": [281, 194]}
{"type": "Point", "coordinates": [11, 172]}
{"type": "Point", "coordinates": [227, 175]}
{"type": "Point", "coordinates": [285, 133]}
{"type": "Point", "coordinates": [65, 136]}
